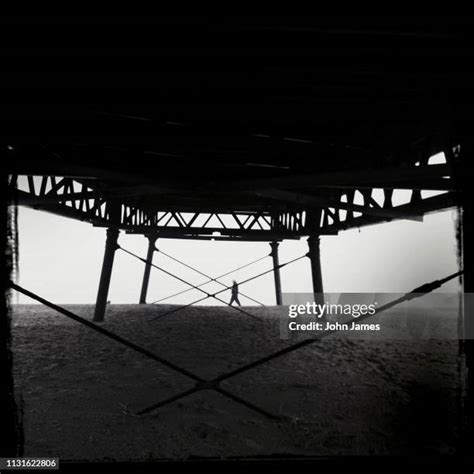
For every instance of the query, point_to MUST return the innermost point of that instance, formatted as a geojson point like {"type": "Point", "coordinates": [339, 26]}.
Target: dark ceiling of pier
{"type": "Point", "coordinates": [222, 103]}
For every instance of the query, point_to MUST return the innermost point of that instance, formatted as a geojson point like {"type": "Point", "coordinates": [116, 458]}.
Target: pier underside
{"type": "Point", "coordinates": [260, 130]}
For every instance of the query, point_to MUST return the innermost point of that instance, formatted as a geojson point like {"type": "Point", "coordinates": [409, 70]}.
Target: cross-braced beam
{"type": "Point", "coordinates": [207, 295]}
{"type": "Point", "coordinates": [211, 279]}
{"type": "Point", "coordinates": [214, 384]}
{"type": "Point", "coordinates": [200, 383]}
{"type": "Point", "coordinates": [416, 293]}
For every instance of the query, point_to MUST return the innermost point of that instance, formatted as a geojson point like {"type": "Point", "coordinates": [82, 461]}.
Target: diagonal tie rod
{"type": "Point", "coordinates": [200, 383]}
{"type": "Point", "coordinates": [416, 293]}
{"type": "Point", "coordinates": [106, 332]}
{"type": "Point", "coordinates": [225, 289]}
{"type": "Point", "coordinates": [212, 279]}
{"type": "Point", "coordinates": [216, 280]}
{"type": "Point", "coordinates": [208, 295]}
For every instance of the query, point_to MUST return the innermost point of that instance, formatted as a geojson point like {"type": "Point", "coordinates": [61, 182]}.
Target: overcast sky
{"type": "Point", "coordinates": [60, 259]}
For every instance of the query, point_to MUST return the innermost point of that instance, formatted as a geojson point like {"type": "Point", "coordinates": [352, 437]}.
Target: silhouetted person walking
{"type": "Point", "coordinates": [235, 293]}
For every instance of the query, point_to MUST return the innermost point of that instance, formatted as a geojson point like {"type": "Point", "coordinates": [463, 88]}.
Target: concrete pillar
{"type": "Point", "coordinates": [146, 274]}
{"type": "Point", "coordinates": [110, 248]}
{"type": "Point", "coordinates": [276, 271]}
{"type": "Point", "coordinates": [315, 258]}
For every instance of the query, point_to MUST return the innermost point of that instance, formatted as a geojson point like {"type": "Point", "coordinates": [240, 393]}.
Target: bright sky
{"type": "Point", "coordinates": [60, 259]}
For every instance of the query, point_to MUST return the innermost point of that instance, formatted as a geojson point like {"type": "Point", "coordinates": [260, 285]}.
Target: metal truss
{"type": "Point", "coordinates": [345, 200]}
{"type": "Point", "coordinates": [85, 201]}
{"type": "Point", "coordinates": [347, 213]}
{"type": "Point", "coordinates": [287, 207]}
{"type": "Point", "coordinates": [324, 212]}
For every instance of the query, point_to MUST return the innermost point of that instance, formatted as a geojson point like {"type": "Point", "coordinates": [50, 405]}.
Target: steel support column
{"type": "Point", "coordinates": [276, 271]}
{"type": "Point", "coordinates": [315, 258]}
{"type": "Point", "coordinates": [146, 274]}
{"type": "Point", "coordinates": [110, 248]}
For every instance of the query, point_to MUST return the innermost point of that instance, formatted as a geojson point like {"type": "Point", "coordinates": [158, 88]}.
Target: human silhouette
{"type": "Point", "coordinates": [235, 293]}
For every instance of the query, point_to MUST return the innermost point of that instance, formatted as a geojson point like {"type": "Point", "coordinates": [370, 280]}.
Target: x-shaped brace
{"type": "Point", "coordinates": [214, 384]}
